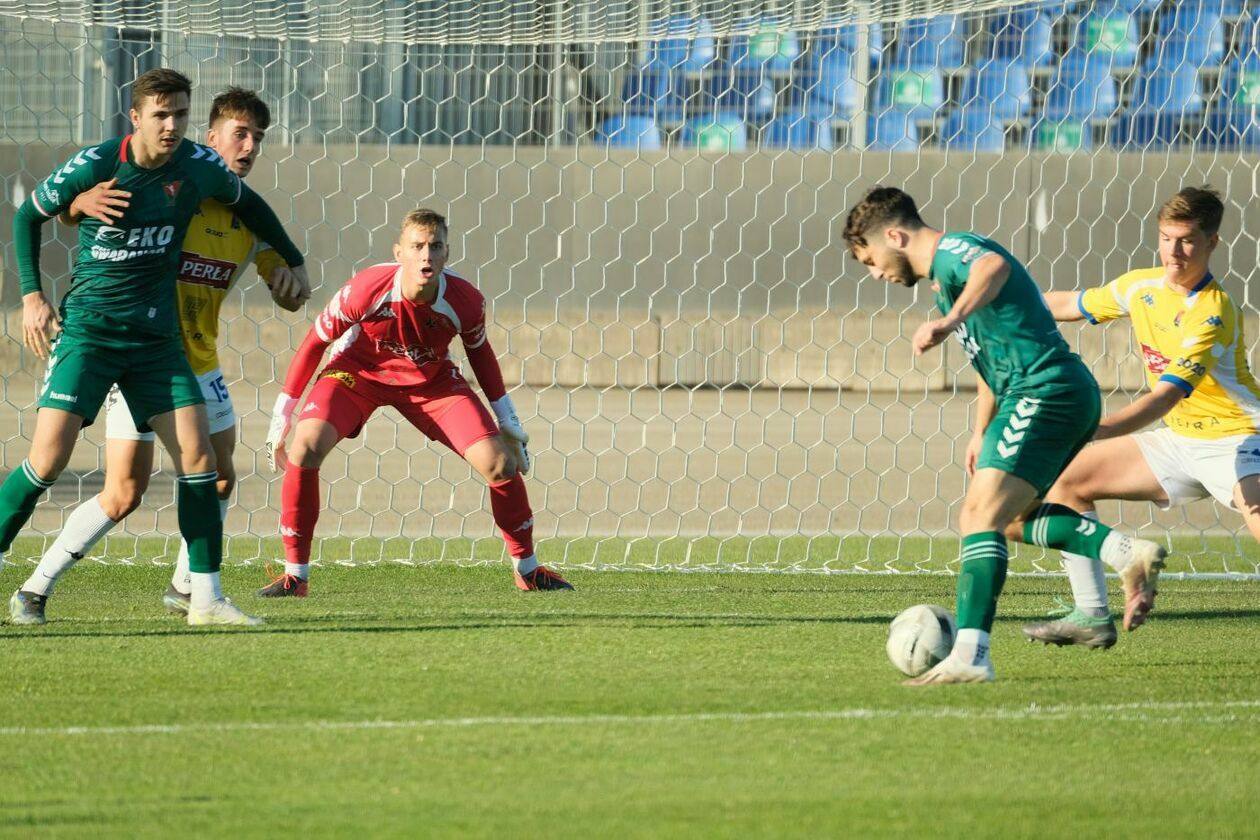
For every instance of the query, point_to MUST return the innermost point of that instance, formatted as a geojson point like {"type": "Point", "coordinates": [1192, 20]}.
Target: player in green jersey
{"type": "Point", "coordinates": [118, 321]}
{"type": "Point", "coordinates": [1037, 406]}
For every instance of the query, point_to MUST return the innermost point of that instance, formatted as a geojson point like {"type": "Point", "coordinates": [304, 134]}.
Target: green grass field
{"type": "Point", "coordinates": [439, 701]}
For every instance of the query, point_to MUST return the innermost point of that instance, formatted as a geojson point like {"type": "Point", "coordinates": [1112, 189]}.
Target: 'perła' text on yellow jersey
{"type": "Point", "coordinates": [1194, 340]}
{"type": "Point", "coordinates": [216, 249]}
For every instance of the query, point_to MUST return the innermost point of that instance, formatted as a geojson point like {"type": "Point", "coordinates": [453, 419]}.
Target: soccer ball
{"type": "Point", "coordinates": [919, 637]}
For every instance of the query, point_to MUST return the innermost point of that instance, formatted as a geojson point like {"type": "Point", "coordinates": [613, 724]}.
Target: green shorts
{"type": "Point", "coordinates": [1035, 435]}
{"type": "Point", "coordinates": [154, 377]}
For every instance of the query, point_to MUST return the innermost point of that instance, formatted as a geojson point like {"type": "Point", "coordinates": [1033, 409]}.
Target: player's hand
{"type": "Point", "coordinates": [40, 323]}
{"type": "Point", "coordinates": [930, 334]}
{"type": "Point", "coordinates": [281, 416]}
{"type": "Point", "coordinates": [514, 434]}
{"type": "Point", "coordinates": [973, 453]}
{"type": "Point", "coordinates": [303, 281]}
{"type": "Point", "coordinates": [285, 289]}
{"type": "Point", "coordinates": [102, 202]}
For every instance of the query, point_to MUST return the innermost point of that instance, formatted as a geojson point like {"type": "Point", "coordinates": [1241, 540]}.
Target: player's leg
{"type": "Point", "coordinates": [994, 499]}
{"type": "Point", "coordinates": [333, 410]}
{"type": "Point", "coordinates": [221, 416]}
{"type": "Point", "coordinates": [460, 420]}
{"type": "Point", "coordinates": [128, 465]}
{"type": "Point", "coordinates": [1110, 469]}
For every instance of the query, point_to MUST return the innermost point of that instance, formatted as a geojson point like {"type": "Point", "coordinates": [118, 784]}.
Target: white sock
{"type": "Point", "coordinates": [180, 580]}
{"type": "Point", "coordinates": [84, 528]}
{"type": "Point", "coordinates": [299, 570]}
{"type": "Point", "coordinates": [1089, 585]}
{"type": "Point", "coordinates": [1117, 551]}
{"type": "Point", "coordinates": [205, 589]}
{"type": "Point", "coordinates": [971, 647]}
{"type": "Point", "coordinates": [525, 565]}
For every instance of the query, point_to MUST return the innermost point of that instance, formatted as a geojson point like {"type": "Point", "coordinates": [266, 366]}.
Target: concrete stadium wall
{"type": "Point", "coordinates": [609, 269]}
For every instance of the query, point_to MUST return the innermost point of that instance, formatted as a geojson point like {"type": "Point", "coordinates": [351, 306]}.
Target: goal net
{"type": "Point", "coordinates": [650, 193]}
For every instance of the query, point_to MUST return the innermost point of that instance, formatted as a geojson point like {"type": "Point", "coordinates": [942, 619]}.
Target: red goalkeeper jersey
{"type": "Point", "coordinates": [390, 340]}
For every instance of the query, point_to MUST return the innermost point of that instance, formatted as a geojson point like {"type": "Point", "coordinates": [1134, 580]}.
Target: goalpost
{"type": "Point", "coordinates": [650, 193]}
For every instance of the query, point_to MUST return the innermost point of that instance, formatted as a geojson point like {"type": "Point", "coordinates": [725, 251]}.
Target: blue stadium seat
{"type": "Point", "coordinates": [826, 88]}
{"type": "Point", "coordinates": [724, 133]}
{"type": "Point", "coordinates": [968, 130]}
{"type": "Point", "coordinates": [1146, 130]}
{"type": "Point", "coordinates": [797, 131]}
{"type": "Point", "coordinates": [1233, 121]}
{"type": "Point", "coordinates": [691, 49]}
{"type": "Point", "coordinates": [1190, 32]}
{"type": "Point", "coordinates": [894, 131]}
{"type": "Point", "coordinates": [651, 92]}
{"type": "Point", "coordinates": [751, 95]}
{"type": "Point", "coordinates": [1170, 89]}
{"type": "Point", "coordinates": [1002, 88]}
{"type": "Point", "coordinates": [768, 51]}
{"type": "Point", "coordinates": [1109, 29]}
{"type": "Point", "coordinates": [932, 43]}
{"type": "Point", "coordinates": [630, 131]}
{"type": "Point", "coordinates": [1024, 35]}
{"type": "Point", "coordinates": [830, 42]}
{"type": "Point", "coordinates": [1081, 88]}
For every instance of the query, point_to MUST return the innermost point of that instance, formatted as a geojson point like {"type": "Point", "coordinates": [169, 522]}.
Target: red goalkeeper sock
{"type": "Point", "coordinates": [510, 504]}
{"type": "Point", "coordinates": [299, 511]}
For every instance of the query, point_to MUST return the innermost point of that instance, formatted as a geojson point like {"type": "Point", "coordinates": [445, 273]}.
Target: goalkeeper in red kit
{"type": "Point", "coordinates": [390, 330]}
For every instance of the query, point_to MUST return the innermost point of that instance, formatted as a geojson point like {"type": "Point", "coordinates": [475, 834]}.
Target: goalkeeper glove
{"type": "Point", "coordinates": [281, 416]}
{"type": "Point", "coordinates": [513, 432]}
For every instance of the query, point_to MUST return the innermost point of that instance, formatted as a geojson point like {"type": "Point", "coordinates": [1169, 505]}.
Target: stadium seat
{"type": "Point", "coordinates": [1064, 136]}
{"type": "Point", "coordinates": [829, 43]}
{"type": "Point", "coordinates": [724, 133]}
{"type": "Point", "coordinates": [1146, 130]}
{"type": "Point", "coordinates": [770, 51]}
{"type": "Point", "coordinates": [827, 88]}
{"type": "Point", "coordinates": [894, 131]}
{"type": "Point", "coordinates": [691, 49]}
{"type": "Point", "coordinates": [1233, 121]}
{"type": "Point", "coordinates": [1024, 35]}
{"type": "Point", "coordinates": [1190, 32]}
{"type": "Point", "coordinates": [630, 131]}
{"type": "Point", "coordinates": [651, 92]}
{"type": "Point", "coordinates": [1001, 88]}
{"type": "Point", "coordinates": [1109, 29]}
{"type": "Point", "coordinates": [1168, 89]}
{"type": "Point", "coordinates": [1081, 88]}
{"type": "Point", "coordinates": [968, 130]}
{"type": "Point", "coordinates": [938, 43]}
{"type": "Point", "coordinates": [916, 92]}
{"type": "Point", "coordinates": [796, 131]}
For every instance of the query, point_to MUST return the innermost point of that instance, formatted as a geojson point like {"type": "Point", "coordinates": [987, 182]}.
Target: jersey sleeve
{"type": "Point", "coordinates": [1204, 342]}
{"type": "Point", "coordinates": [481, 356]}
{"type": "Point", "coordinates": [346, 309]}
{"type": "Point", "coordinates": [217, 181]}
{"type": "Point", "coordinates": [76, 175]}
{"type": "Point", "coordinates": [1104, 303]}
{"type": "Point", "coordinates": [267, 260]}
{"type": "Point", "coordinates": [958, 253]}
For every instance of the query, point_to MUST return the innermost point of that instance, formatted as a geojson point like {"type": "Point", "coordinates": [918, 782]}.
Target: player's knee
{"type": "Point", "coordinates": [496, 464]}
{"type": "Point", "coordinates": [306, 453]}
{"type": "Point", "coordinates": [118, 500]}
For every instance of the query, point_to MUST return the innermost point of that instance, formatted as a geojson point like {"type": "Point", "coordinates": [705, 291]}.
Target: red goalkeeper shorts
{"type": "Point", "coordinates": [444, 410]}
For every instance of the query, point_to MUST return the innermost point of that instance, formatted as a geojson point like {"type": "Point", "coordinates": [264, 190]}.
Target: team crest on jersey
{"type": "Point", "coordinates": [431, 322]}
{"type": "Point", "coordinates": [1215, 321]}
{"type": "Point", "coordinates": [341, 376]}
{"type": "Point", "coordinates": [1148, 299]}
{"type": "Point", "coordinates": [171, 188]}
{"type": "Point", "coordinates": [1156, 362]}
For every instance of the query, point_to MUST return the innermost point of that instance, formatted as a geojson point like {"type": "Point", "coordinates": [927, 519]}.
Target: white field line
{"type": "Point", "coordinates": [1235, 711]}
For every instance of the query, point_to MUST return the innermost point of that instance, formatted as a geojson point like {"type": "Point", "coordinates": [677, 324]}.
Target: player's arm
{"type": "Point", "coordinates": [1142, 412]}
{"type": "Point", "coordinates": [287, 290]}
{"type": "Point", "coordinates": [986, 407]}
{"type": "Point", "coordinates": [485, 366]}
{"type": "Point", "coordinates": [1064, 306]}
{"type": "Point", "coordinates": [984, 283]}
{"type": "Point", "coordinates": [49, 199]}
{"type": "Point", "coordinates": [102, 202]}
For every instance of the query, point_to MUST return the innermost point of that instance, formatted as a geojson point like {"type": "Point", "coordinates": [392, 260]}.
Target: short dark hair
{"type": "Point", "coordinates": [423, 217]}
{"type": "Point", "coordinates": [1195, 204]}
{"type": "Point", "coordinates": [238, 103]}
{"type": "Point", "coordinates": [881, 207]}
{"type": "Point", "coordinates": [161, 82]}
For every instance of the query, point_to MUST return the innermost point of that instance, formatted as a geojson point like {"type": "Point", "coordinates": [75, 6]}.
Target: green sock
{"type": "Point", "coordinates": [18, 496]}
{"type": "Point", "coordinates": [197, 502]}
{"type": "Point", "coordinates": [980, 582]}
{"type": "Point", "coordinates": [1058, 526]}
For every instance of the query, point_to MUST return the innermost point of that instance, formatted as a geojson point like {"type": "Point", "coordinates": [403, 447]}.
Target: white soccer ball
{"type": "Point", "coordinates": [919, 637]}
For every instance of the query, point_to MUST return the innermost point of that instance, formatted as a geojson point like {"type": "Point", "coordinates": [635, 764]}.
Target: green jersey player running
{"type": "Point", "coordinates": [118, 322]}
{"type": "Point", "coordinates": [1037, 407]}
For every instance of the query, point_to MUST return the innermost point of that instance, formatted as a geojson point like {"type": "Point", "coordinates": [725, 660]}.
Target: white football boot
{"type": "Point", "coordinates": [221, 613]}
{"type": "Point", "coordinates": [950, 671]}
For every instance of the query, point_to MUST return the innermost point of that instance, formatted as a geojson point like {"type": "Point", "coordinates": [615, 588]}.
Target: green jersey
{"type": "Point", "coordinates": [123, 285]}
{"type": "Point", "coordinates": [1013, 342]}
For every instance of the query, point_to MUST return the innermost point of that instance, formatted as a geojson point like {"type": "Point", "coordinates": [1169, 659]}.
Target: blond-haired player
{"type": "Point", "coordinates": [1191, 337]}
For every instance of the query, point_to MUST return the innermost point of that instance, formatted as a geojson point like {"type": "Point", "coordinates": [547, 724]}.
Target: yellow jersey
{"type": "Point", "coordinates": [1193, 340]}
{"type": "Point", "coordinates": [216, 250]}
